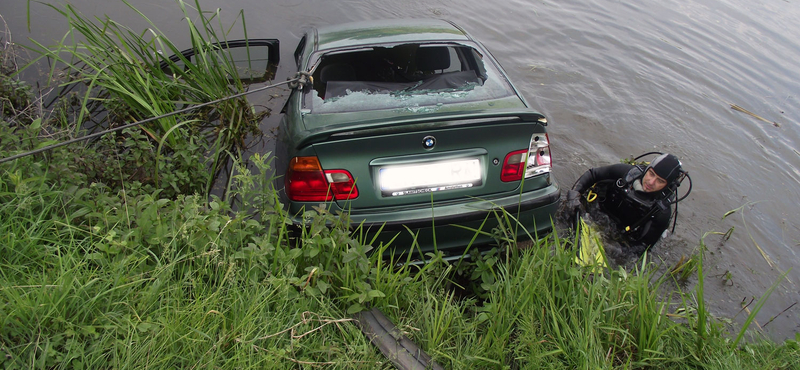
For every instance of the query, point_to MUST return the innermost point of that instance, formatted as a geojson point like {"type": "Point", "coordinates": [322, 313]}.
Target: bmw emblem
{"type": "Point", "coordinates": [428, 142]}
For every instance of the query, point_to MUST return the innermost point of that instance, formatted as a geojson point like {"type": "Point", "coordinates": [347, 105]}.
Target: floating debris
{"type": "Point", "coordinates": [774, 317]}
{"type": "Point", "coordinates": [740, 109]}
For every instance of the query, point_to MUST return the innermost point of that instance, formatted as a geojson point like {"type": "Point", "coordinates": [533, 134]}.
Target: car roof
{"type": "Point", "coordinates": [387, 31]}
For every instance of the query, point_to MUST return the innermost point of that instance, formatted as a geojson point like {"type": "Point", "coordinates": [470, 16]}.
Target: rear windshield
{"type": "Point", "coordinates": [409, 76]}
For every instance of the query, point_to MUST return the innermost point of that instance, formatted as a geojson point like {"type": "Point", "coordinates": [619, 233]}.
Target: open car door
{"type": "Point", "coordinates": [255, 60]}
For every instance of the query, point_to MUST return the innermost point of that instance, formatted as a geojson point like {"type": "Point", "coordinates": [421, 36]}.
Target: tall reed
{"type": "Point", "coordinates": [122, 71]}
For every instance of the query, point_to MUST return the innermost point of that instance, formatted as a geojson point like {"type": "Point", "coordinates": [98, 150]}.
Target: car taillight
{"type": "Point", "coordinates": [539, 151]}
{"type": "Point", "coordinates": [531, 162]}
{"type": "Point", "coordinates": [305, 181]}
{"type": "Point", "coordinates": [513, 166]}
{"type": "Point", "coordinates": [342, 184]}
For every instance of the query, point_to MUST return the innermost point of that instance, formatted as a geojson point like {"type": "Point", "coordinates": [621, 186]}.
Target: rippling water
{"type": "Point", "coordinates": [616, 79]}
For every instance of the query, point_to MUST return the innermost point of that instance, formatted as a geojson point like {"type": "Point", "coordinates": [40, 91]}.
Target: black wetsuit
{"type": "Point", "coordinates": [638, 214]}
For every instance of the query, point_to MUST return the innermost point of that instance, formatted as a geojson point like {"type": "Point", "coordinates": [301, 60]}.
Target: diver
{"type": "Point", "coordinates": [637, 198]}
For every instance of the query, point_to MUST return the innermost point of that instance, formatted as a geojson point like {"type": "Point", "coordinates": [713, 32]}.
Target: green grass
{"type": "Point", "coordinates": [89, 280]}
{"type": "Point", "coordinates": [191, 288]}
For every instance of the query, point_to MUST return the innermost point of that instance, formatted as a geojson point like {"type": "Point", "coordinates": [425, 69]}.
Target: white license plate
{"type": "Point", "coordinates": [428, 177]}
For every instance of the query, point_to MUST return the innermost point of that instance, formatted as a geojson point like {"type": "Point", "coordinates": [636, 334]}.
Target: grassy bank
{"type": "Point", "coordinates": [103, 266]}
{"type": "Point", "coordinates": [96, 279]}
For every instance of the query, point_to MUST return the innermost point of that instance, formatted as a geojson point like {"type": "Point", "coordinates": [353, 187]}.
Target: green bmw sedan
{"type": "Point", "coordinates": [412, 128]}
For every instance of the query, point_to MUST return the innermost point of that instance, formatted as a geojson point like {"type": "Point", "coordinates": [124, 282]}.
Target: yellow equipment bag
{"type": "Point", "coordinates": [590, 252]}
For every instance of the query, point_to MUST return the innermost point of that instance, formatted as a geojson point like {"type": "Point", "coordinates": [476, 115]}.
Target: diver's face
{"type": "Point", "coordinates": [652, 182]}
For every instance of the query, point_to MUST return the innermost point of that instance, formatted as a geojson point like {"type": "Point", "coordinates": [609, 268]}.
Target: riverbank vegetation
{"type": "Point", "coordinates": [104, 266]}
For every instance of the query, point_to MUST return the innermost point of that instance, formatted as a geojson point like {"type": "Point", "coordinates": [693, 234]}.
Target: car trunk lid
{"type": "Point", "coordinates": [404, 162]}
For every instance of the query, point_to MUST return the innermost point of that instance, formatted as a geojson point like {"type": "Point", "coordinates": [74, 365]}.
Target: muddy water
{"type": "Point", "coordinates": [616, 79]}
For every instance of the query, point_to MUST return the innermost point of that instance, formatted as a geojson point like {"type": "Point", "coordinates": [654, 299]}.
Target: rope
{"type": "Point", "coordinates": [299, 79]}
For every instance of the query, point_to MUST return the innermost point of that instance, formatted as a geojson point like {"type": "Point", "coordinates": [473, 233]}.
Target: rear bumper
{"type": "Point", "coordinates": [525, 217]}
{"type": "Point", "coordinates": [453, 227]}
{"type": "Point", "coordinates": [443, 215]}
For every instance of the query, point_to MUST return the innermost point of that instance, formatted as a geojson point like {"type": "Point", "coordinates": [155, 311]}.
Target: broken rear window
{"type": "Point", "coordinates": [403, 76]}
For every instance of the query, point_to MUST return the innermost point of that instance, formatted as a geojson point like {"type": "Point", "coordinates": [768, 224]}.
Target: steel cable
{"type": "Point", "coordinates": [299, 80]}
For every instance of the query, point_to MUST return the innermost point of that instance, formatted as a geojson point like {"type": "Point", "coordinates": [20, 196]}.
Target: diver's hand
{"type": "Point", "coordinates": [573, 201]}
{"type": "Point", "coordinates": [572, 207]}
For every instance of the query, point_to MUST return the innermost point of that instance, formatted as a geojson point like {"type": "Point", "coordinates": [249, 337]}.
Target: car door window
{"type": "Point", "coordinates": [255, 60]}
